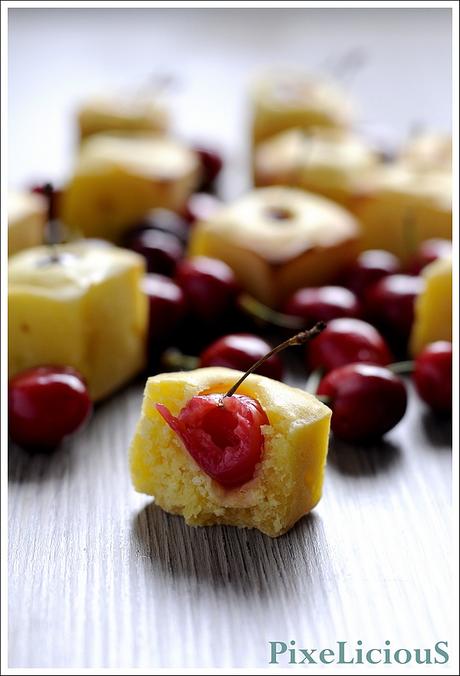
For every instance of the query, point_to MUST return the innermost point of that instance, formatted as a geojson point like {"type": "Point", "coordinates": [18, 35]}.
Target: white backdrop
{"type": "Point", "coordinates": [59, 56]}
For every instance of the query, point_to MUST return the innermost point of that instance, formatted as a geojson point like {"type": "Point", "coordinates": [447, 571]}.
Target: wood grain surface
{"type": "Point", "coordinates": [100, 577]}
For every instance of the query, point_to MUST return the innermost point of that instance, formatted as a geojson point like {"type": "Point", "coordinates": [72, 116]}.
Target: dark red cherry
{"type": "Point", "coordinates": [433, 376]}
{"type": "Point", "coordinates": [45, 405]}
{"type": "Point", "coordinates": [209, 285]}
{"type": "Point", "coordinates": [161, 250]}
{"type": "Point", "coordinates": [368, 268]}
{"type": "Point", "coordinates": [162, 220]}
{"type": "Point", "coordinates": [222, 434]}
{"type": "Point", "coordinates": [322, 304]}
{"type": "Point", "coordinates": [390, 306]}
{"type": "Point", "coordinates": [211, 163]}
{"type": "Point", "coordinates": [201, 206]}
{"type": "Point", "coordinates": [240, 351]}
{"type": "Point", "coordinates": [429, 251]}
{"type": "Point", "coordinates": [366, 401]}
{"type": "Point", "coordinates": [344, 341]}
{"type": "Point", "coordinates": [167, 306]}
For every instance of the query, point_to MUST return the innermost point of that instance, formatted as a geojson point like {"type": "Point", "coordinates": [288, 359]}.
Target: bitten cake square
{"type": "Point", "coordinates": [286, 484]}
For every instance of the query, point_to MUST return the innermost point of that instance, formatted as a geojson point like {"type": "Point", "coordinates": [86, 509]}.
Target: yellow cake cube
{"type": "Point", "coordinates": [27, 216]}
{"type": "Point", "coordinates": [402, 207]}
{"type": "Point", "coordinates": [285, 99]}
{"type": "Point", "coordinates": [85, 309]}
{"type": "Point", "coordinates": [119, 178]}
{"type": "Point", "coordinates": [128, 113]}
{"type": "Point", "coordinates": [287, 482]}
{"type": "Point", "coordinates": [428, 151]}
{"type": "Point", "coordinates": [433, 307]}
{"type": "Point", "coordinates": [278, 240]}
{"type": "Point", "coordinates": [330, 162]}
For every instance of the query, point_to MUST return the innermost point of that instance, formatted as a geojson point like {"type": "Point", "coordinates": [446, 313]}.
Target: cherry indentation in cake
{"type": "Point", "coordinates": [222, 434]}
{"type": "Point", "coordinates": [279, 213]}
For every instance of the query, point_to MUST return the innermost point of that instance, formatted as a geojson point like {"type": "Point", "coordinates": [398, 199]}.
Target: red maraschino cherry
{"type": "Point", "coordinates": [223, 432]}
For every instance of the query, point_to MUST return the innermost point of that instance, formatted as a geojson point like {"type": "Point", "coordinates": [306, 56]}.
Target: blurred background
{"type": "Point", "coordinates": [57, 57]}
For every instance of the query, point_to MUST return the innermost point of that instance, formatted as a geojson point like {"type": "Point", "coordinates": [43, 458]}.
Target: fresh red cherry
{"type": "Point", "coordinates": [222, 434]}
{"type": "Point", "coordinates": [209, 285]}
{"type": "Point", "coordinates": [167, 306]}
{"type": "Point", "coordinates": [201, 206]}
{"type": "Point", "coordinates": [161, 250]}
{"type": "Point", "coordinates": [162, 220]}
{"type": "Point", "coordinates": [211, 163]}
{"type": "Point", "coordinates": [368, 268]}
{"type": "Point", "coordinates": [45, 405]}
{"type": "Point", "coordinates": [346, 340]}
{"type": "Point", "coordinates": [390, 306]}
{"type": "Point", "coordinates": [322, 304]}
{"type": "Point", "coordinates": [433, 376]}
{"type": "Point", "coordinates": [429, 251]}
{"type": "Point", "coordinates": [239, 351]}
{"type": "Point", "coordinates": [366, 401]}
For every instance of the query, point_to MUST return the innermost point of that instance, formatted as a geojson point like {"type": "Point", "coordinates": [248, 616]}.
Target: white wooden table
{"type": "Point", "coordinates": [100, 577]}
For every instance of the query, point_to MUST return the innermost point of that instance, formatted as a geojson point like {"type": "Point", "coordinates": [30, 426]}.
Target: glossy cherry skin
{"type": "Point", "coordinates": [240, 351]}
{"type": "Point", "coordinates": [162, 220]}
{"type": "Point", "coordinates": [433, 376]}
{"type": "Point", "coordinates": [200, 207]}
{"type": "Point", "coordinates": [222, 434]}
{"type": "Point", "coordinates": [429, 251]}
{"type": "Point", "coordinates": [209, 285]}
{"type": "Point", "coordinates": [344, 341]}
{"type": "Point", "coordinates": [322, 304]}
{"type": "Point", "coordinates": [366, 401]}
{"type": "Point", "coordinates": [167, 306]}
{"type": "Point", "coordinates": [211, 164]}
{"type": "Point", "coordinates": [369, 268]}
{"type": "Point", "coordinates": [46, 404]}
{"type": "Point", "coordinates": [390, 306]}
{"type": "Point", "coordinates": [161, 250]}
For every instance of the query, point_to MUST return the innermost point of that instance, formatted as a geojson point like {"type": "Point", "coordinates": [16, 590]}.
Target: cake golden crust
{"type": "Point", "coordinates": [284, 99]}
{"type": "Point", "coordinates": [279, 239]}
{"type": "Point", "coordinates": [330, 162]}
{"type": "Point", "coordinates": [118, 178]}
{"type": "Point", "coordinates": [86, 310]}
{"type": "Point", "coordinates": [288, 481]}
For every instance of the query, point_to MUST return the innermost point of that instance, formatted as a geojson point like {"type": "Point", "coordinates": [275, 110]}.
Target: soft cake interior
{"type": "Point", "coordinates": [288, 481]}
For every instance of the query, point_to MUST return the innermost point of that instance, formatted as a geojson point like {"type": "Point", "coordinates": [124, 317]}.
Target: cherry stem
{"type": "Point", "coordinates": [299, 339]}
{"type": "Point", "coordinates": [53, 224]}
{"type": "Point", "coordinates": [402, 367]}
{"type": "Point", "coordinates": [265, 314]}
{"type": "Point", "coordinates": [324, 398]}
